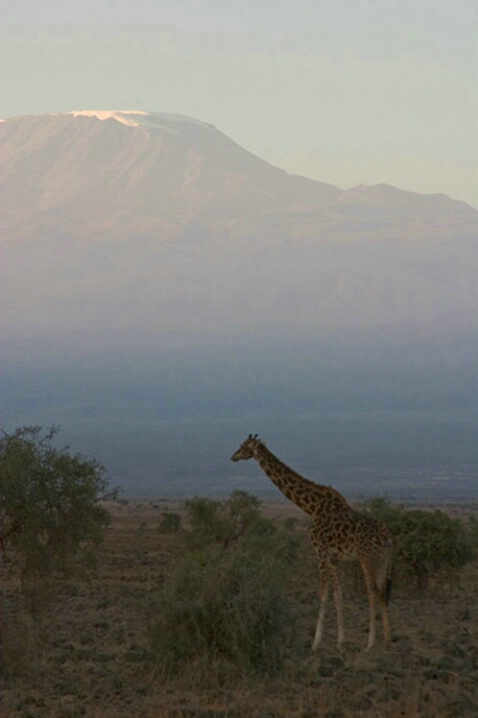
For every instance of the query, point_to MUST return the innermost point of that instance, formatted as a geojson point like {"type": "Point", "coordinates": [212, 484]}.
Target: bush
{"type": "Point", "coordinates": [473, 530]}
{"type": "Point", "coordinates": [50, 502]}
{"type": "Point", "coordinates": [243, 508]}
{"type": "Point", "coordinates": [225, 607]}
{"type": "Point", "coordinates": [426, 542]}
{"type": "Point", "coordinates": [207, 522]}
{"type": "Point", "coordinates": [213, 521]}
{"type": "Point", "coordinates": [170, 522]}
{"type": "Point", "coordinates": [432, 541]}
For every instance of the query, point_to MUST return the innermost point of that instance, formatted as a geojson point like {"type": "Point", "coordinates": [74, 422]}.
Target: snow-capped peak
{"type": "Point", "coordinates": [126, 117]}
{"type": "Point", "coordinates": [166, 121]}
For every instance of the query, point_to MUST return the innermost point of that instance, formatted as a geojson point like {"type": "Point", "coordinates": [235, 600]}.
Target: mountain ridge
{"type": "Point", "coordinates": [110, 171]}
{"type": "Point", "coordinates": [95, 205]}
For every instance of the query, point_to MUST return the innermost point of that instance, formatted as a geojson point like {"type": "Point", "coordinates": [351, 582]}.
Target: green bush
{"type": "Point", "coordinates": [432, 541]}
{"type": "Point", "coordinates": [426, 542]}
{"type": "Point", "coordinates": [473, 530]}
{"type": "Point", "coordinates": [222, 607]}
{"type": "Point", "coordinates": [207, 522]}
{"type": "Point", "coordinates": [267, 537]}
{"type": "Point", "coordinates": [213, 521]}
{"type": "Point", "coordinates": [170, 522]}
{"type": "Point", "coordinates": [243, 507]}
{"type": "Point", "coordinates": [227, 607]}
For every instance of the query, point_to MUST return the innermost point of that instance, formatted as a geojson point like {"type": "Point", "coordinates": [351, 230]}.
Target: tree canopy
{"type": "Point", "coordinates": [50, 501]}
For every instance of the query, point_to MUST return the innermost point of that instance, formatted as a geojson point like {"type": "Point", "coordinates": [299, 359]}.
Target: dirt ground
{"type": "Point", "coordinates": [83, 651]}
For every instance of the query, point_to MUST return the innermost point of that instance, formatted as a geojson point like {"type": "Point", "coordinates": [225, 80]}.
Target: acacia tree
{"type": "Point", "coordinates": [50, 501]}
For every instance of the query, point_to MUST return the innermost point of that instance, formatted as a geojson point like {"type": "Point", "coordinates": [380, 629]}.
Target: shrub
{"type": "Point", "coordinates": [224, 607]}
{"type": "Point", "coordinates": [473, 530]}
{"type": "Point", "coordinates": [213, 521]}
{"type": "Point", "coordinates": [431, 541]}
{"type": "Point", "coordinates": [243, 507]}
{"type": "Point", "coordinates": [207, 522]}
{"type": "Point", "coordinates": [170, 522]}
{"type": "Point", "coordinates": [426, 542]}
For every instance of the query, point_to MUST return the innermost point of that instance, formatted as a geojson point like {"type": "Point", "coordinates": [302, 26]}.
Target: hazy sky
{"type": "Point", "coordinates": [343, 91]}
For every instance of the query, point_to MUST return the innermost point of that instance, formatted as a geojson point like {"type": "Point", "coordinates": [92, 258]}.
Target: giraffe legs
{"type": "Point", "coordinates": [372, 607]}
{"type": "Point", "coordinates": [377, 584]}
{"type": "Point", "coordinates": [375, 594]}
{"type": "Point", "coordinates": [386, 624]}
{"type": "Point", "coordinates": [323, 598]}
{"type": "Point", "coordinates": [384, 585]}
{"type": "Point", "coordinates": [326, 572]}
{"type": "Point", "coordinates": [338, 606]}
{"type": "Point", "coordinates": [371, 632]}
{"type": "Point", "coordinates": [372, 596]}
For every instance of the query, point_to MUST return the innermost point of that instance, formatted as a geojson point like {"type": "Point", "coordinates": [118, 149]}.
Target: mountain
{"type": "Point", "coordinates": [117, 173]}
{"type": "Point", "coordinates": [164, 288]}
{"type": "Point", "coordinates": [123, 172]}
{"type": "Point", "coordinates": [124, 219]}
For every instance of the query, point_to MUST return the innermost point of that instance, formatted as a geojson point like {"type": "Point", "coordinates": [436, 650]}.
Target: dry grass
{"type": "Point", "coordinates": [84, 653]}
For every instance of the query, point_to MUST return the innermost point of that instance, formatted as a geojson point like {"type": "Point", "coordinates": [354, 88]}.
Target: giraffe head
{"type": "Point", "coordinates": [247, 448]}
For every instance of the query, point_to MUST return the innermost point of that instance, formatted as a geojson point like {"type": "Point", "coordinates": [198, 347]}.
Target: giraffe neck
{"type": "Point", "coordinates": [306, 494]}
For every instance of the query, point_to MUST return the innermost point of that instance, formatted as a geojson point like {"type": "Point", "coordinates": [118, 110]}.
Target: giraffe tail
{"type": "Point", "coordinates": [388, 590]}
{"type": "Point", "coordinates": [387, 584]}
{"type": "Point", "coordinates": [383, 581]}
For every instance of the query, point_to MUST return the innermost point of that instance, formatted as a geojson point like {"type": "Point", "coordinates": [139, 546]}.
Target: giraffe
{"type": "Point", "coordinates": [338, 533]}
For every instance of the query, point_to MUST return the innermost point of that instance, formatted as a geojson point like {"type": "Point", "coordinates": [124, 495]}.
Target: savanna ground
{"type": "Point", "coordinates": [80, 648]}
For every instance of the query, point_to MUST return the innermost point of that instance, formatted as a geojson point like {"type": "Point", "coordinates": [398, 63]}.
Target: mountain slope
{"type": "Point", "coordinates": [105, 173]}
{"type": "Point", "coordinates": [80, 172]}
{"type": "Point", "coordinates": [134, 221]}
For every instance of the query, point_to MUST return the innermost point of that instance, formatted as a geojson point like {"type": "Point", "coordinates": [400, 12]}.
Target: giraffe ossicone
{"type": "Point", "coordinates": [338, 533]}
